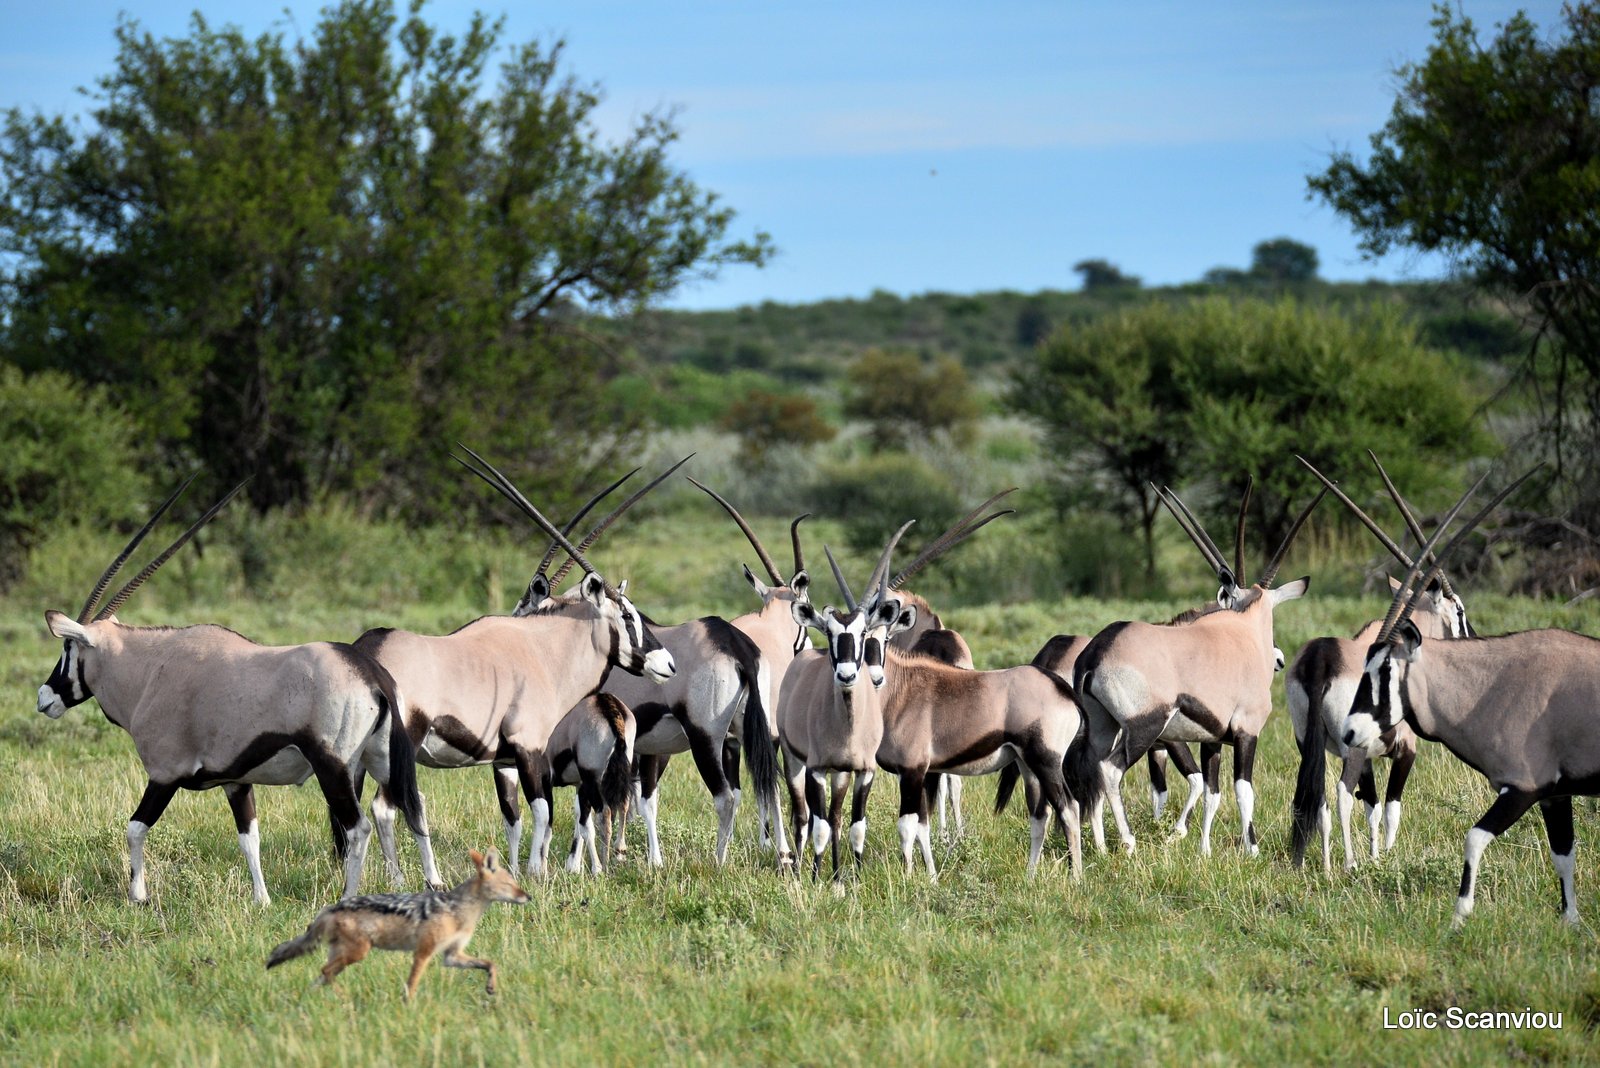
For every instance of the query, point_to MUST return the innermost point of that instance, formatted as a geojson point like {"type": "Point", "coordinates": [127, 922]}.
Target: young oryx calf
{"type": "Point", "coordinates": [592, 749]}
{"type": "Point", "coordinates": [206, 707]}
{"type": "Point", "coordinates": [1522, 709]}
{"type": "Point", "coordinates": [437, 923]}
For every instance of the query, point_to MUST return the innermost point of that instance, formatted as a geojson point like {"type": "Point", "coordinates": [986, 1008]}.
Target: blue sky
{"type": "Point", "coordinates": [941, 146]}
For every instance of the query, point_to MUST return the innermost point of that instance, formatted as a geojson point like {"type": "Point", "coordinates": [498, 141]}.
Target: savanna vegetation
{"type": "Point", "coordinates": [318, 261]}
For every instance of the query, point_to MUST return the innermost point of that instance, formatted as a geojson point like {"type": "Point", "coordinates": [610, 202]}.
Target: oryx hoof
{"type": "Point", "coordinates": [1129, 846]}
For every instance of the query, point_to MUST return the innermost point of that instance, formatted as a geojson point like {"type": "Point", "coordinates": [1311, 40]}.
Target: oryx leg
{"type": "Point", "coordinates": [914, 819]}
{"type": "Point", "coordinates": [816, 805]}
{"type": "Point", "coordinates": [1367, 794]}
{"type": "Point", "coordinates": [154, 802]}
{"type": "Point", "coordinates": [375, 758]}
{"type": "Point", "coordinates": [1183, 759]}
{"type": "Point", "coordinates": [1404, 757]}
{"type": "Point", "coordinates": [794, 774]}
{"type": "Point", "coordinates": [841, 782]}
{"type": "Point", "coordinates": [1557, 813]}
{"type": "Point", "coordinates": [1506, 810]}
{"type": "Point", "coordinates": [731, 753]}
{"type": "Point", "coordinates": [707, 752]}
{"type": "Point", "coordinates": [1211, 762]}
{"type": "Point", "coordinates": [344, 812]}
{"type": "Point", "coordinates": [1349, 778]}
{"type": "Point", "coordinates": [858, 816]}
{"type": "Point", "coordinates": [242, 800]}
{"type": "Point", "coordinates": [533, 773]}
{"type": "Point", "coordinates": [1134, 741]}
{"type": "Point", "coordinates": [1244, 790]}
{"type": "Point", "coordinates": [650, 768]}
{"type": "Point", "coordinates": [1156, 761]}
{"type": "Point", "coordinates": [1103, 739]}
{"type": "Point", "coordinates": [505, 791]}
{"type": "Point", "coordinates": [589, 804]}
{"type": "Point", "coordinates": [950, 787]}
{"type": "Point", "coordinates": [1053, 785]}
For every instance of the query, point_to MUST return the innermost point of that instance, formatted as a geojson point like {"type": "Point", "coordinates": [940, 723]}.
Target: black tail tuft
{"type": "Point", "coordinates": [759, 745]}
{"type": "Point", "coordinates": [616, 782]}
{"type": "Point", "coordinates": [401, 789]}
{"type": "Point", "coordinates": [1007, 786]}
{"type": "Point", "coordinates": [1081, 766]}
{"type": "Point", "coordinates": [1310, 789]}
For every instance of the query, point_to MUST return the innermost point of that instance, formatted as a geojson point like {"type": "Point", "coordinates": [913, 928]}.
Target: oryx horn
{"type": "Point", "coordinates": [127, 551]}
{"type": "Point", "coordinates": [572, 524]}
{"type": "Point", "coordinates": [880, 574]}
{"type": "Point", "coordinates": [838, 576]}
{"type": "Point", "coordinates": [1461, 536]}
{"type": "Point", "coordinates": [122, 595]}
{"type": "Point", "coordinates": [1392, 617]}
{"type": "Point", "coordinates": [1191, 527]}
{"type": "Point", "coordinates": [755, 542]}
{"type": "Point", "coordinates": [616, 513]}
{"type": "Point", "coordinates": [1265, 581]}
{"type": "Point", "coordinates": [1411, 520]}
{"type": "Point", "coordinates": [1238, 533]}
{"type": "Point", "coordinates": [959, 532]}
{"type": "Point", "coordinates": [510, 492]}
{"type": "Point", "coordinates": [794, 539]}
{"type": "Point", "coordinates": [1378, 532]}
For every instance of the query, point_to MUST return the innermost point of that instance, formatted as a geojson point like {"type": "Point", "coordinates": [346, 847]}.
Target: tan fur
{"type": "Point", "coordinates": [437, 924]}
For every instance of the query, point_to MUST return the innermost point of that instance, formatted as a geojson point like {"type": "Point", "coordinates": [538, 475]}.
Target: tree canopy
{"type": "Point", "coordinates": [1491, 156]}
{"type": "Point", "coordinates": [320, 261]}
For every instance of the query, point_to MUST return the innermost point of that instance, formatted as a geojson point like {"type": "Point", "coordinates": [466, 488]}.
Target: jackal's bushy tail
{"type": "Point", "coordinates": [295, 947]}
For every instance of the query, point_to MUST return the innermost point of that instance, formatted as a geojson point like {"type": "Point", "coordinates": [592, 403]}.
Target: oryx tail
{"type": "Point", "coordinates": [1081, 768]}
{"type": "Point", "coordinates": [404, 793]}
{"type": "Point", "coordinates": [1310, 791]}
{"type": "Point", "coordinates": [759, 745]}
{"type": "Point", "coordinates": [616, 782]}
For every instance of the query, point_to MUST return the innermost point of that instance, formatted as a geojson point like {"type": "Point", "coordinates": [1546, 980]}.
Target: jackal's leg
{"type": "Point", "coordinates": [454, 958]}
{"type": "Point", "coordinates": [419, 964]}
{"type": "Point", "coordinates": [242, 800]}
{"type": "Point", "coordinates": [1398, 773]}
{"type": "Point", "coordinates": [344, 949]}
{"type": "Point", "coordinates": [1244, 791]}
{"type": "Point", "coordinates": [154, 802]}
{"type": "Point", "coordinates": [707, 752]}
{"type": "Point", "coordinates": [858, 816]}
{"type": "Point", "coordinates": [1211, 763]}
{"type": "Point", "coordinates": [1557, 813]}
{"type": "Point", "coordinates": [505, 791]}
{"type": "Point", "coordinates": [1506, 810]}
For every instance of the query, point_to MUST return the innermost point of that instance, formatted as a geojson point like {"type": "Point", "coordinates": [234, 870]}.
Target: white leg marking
{"type": "Point", "coordinates": [591, 833]}
{"type": "Point", "coordinates": [1111, 776]}
{"type": "Point", "coordinates": [1097, 821]}
{"type": "Point", "coordinates": [1158, 801]}
{"type": "Point", "coordinates": [513, 843]}
{"type": "Point", "coordinates": [1245, 794]}
{"type": "Point", "coordinates": [355, 858]}
{"type": "Point", "coordinates": [1477, 841]}
{"type": "Point", "coordinates": [1374, 822]}
{"type": "Point", "coordinates": [647, 808]}
{"type": "Point", "coordinates": [858, 837]}
{"type": "Point", "coordinates": [383, 815]}
{"type": "Point", "coordinates": [137, 833]}
{"type": "Point", "coordinates": [821, 834]}
{"type": "Point", "coordinates": [1325, 821]}
{"type": "Point", "coordinates": [1569, 892]}
{"type": "Point", "coordinates": [1391, 823]}
{"type": "Point", "coordinates": [956, 786]}
{"type": "Point", "coordinates": [726, 805]}
{"type": "Point", "coordinates": [1197, 787]}
{"type": "Point", "coordinates": [539, 843]}
{"type": "Point", "coordinates": [1038, 829]}
{"type": "Point", "coordinates": [1213, 802]}
{"type": "Point", "coordinates": [925, 839]}
{"type": "Point", "coordinates": [430, 870]}
{"type": "Point", "coordinates": [908, 837]}
{"type": "Point", "coordinates": [1347, 802]}
{"type": "Point", "coordinates": [250, 843]}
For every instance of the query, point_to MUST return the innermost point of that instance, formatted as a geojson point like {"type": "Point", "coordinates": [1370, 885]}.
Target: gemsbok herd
{"type": "Point", "coordinates": [581, 688]}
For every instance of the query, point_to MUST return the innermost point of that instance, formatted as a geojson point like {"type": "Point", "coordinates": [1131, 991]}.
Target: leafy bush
{"type": "Point", "coordinates": [874, 495]}
{"type": "Point", "coordinates": [903, 398]}
{"type": "Point", "coordinates": [67, 455]}
{"type": "Point", "coordinates": [766, 420]}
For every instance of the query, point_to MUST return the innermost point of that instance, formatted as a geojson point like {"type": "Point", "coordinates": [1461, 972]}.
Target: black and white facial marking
{"type": "Point", "coordinates": [846, 634]}
{"type": "Point", "coordinates": [66, 686]}
{"type": "Point", "coordinates": [872, 656]}
{"type": "Point", "coordinates": [1454, 614]}
{"type": "Point", "coordinates": [1380, 701]}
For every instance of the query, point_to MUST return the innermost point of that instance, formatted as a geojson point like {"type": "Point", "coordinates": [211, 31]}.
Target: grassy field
{"type": "Point", "coordinates": [1158, 955]}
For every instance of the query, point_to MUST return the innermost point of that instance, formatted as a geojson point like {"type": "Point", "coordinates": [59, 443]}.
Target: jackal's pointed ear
{"type": "Point", "coordinates": [64, 626]}
{"type": "Point", "coordinates": [491, 861]}
{"type": "Point", "coordinates": [477, 858]}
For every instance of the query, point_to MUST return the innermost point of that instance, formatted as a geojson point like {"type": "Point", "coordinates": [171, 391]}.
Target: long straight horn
{"type": "Point", "coordinates": [1378, 532]}
{"type": "Point", "coordinates": [572, 524]}
{"type": "Point", "coordinates": [1405, 513]}
{"type": "Point", "coordinates": [1181, 514]}
{"type": "Point", "coordinates": [504, 485]}
{"type": "Point", "coordinates": [944, 546]}
{"type": "Point", "coordinates": [959, 531]}
{"type": "Point", "coordinates": [1461, 535]}
{"type": "Point", "coordinates": [838, 576]}
{"type": "Point", "coordinates": [122, 595]}
{"type": "Point", "coordinates": [794, 539]}
{"type": "Point", "coordinates": [878, 584]}
{"type": "Point", "coordinates": [755, 542]}
{"type": "Point", "coordinates": [1294, 528]}
{"type": "Point", "coordinates": [116, 565]}
{"type": "Point", "coordinates": [1238, 533]}
{"type": "Point", "coordinates": [1392, 617]}
{"type": "Point", "coordinates": [616, 513]}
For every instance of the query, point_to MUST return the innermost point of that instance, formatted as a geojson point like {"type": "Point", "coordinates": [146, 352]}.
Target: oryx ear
{"type": "Point", "coordinates": [756, 584]}
{"type": "Point", "coordinates": [800, 584]}
{"type": "Point", "coordinates": [1277, 660]}
{"type": "Point", "coordinates": [906, 620]}
{"type": "Point", "coordinates": [64, 626]}
{"type": "Point", "coordinates": [1407, 641]}
{"type": "Point", "coordinates": [805, 614]}
{"type": "Point", "coordinates": [622, 587]}
{"type": "Point", "coordinates": [1394, 584]}
{"type": "Point", "coordinates": [887, 613]}
{"type": "Point", "coordinates": [1290, 590]}
{"type": "Point", "coordinates": [593, 589]}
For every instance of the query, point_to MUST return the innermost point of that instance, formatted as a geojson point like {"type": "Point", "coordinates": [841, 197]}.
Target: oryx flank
{"type": "Point", "coordinates": [1518, 708]}
{"type": "Point", "coordinates": [1208, 681]}
{"type": "Point", "coordinates": [1320, 686]}
{"type": "Point", "coordinates": [207, 707]}
{"type": "Point", "coordinates": [492, 691]}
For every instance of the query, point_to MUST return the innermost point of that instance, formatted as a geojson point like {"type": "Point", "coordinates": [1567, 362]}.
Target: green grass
{"type": "Point", "coordinates": [1158, 956]}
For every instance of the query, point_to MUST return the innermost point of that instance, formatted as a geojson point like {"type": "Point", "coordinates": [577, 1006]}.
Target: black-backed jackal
{"type": "Point", "coordinates": [436, 923]}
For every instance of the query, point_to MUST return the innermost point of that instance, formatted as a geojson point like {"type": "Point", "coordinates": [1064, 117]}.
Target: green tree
{"type": "Point", "coordinates": [1491, 156]}
{"type": "Point", "coordinates": [1282, 261]}
{"type": "Point", "coordinates": [320, 261]}
{"type": "Point", "coordinates": [1213, 391]}
{"type": "Point", "coordinates": [764, 421]}
{"type": "Point", "coordinates": [903, 398]}
{"type": "Point", "coordinates": [1100, 276]}
{"type": "Point", "coordinates": [67, 454]}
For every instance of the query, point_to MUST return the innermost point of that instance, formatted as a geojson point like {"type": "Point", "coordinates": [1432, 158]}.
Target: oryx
{"type": "Point", "coordinates": [207, 707]}
{"type": "Point", "coordinates": [1209, 681]}
{"type": "Point", "coordinates": [1320, 686]}
{"type": "Point", "coordinates": [1518, 708]}
{"type": "Point", "coordinates": [592, 749]}
{"type": "Point", "coordinates": [492, 691]}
